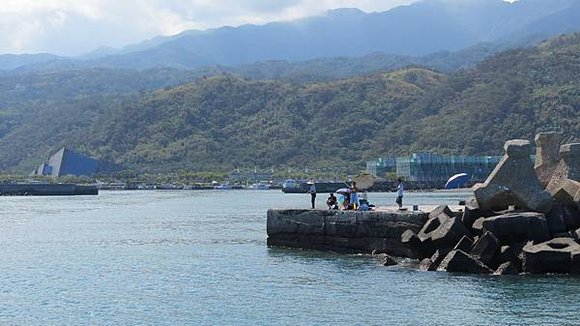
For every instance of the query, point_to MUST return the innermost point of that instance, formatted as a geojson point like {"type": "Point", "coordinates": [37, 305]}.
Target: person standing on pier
{"type": "Point", "coordinates": [312, 192]}
{"type": "Point", "coordinates": [400, 189]}
{"type": "Point", "coordinates": [354, 196]}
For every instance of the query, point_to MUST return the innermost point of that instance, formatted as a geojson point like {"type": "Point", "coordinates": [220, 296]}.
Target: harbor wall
{"type": "Point", "coordinates": [343, 231]}
{"type": "Point", "coordinates": [47, 190]}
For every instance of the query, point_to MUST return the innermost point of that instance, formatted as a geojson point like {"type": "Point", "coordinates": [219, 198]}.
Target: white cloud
{"type": "Point", "coordinates": [72, 27]}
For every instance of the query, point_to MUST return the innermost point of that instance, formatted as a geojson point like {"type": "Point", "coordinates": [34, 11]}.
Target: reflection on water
{"type": "Point", "coordinates": [201, 258]}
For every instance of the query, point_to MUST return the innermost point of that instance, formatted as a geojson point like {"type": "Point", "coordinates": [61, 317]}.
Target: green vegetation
{"type": "Point", "coordinates": [224, 122]}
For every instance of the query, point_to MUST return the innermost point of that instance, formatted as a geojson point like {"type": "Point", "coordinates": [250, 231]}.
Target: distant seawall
{"type": "Point", "coordinates": [24, 189]}
{"type": "Point", "coordinates": [343, 231]}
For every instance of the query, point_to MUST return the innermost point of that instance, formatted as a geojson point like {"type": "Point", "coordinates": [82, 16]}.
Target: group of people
{"type": "Point", "coordinates": [351, 200]}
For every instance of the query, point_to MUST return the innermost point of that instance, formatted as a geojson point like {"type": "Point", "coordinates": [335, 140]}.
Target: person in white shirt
{"type": "Point", "coordinates": [400, 189]}
{"type": "Point", "coordinates": [312, 192]}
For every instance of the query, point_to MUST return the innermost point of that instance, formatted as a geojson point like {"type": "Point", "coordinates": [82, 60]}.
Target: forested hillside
{"type": "Point", "coordinates": [75, 83]}
{"type": "Point", "coordinates": [220, 122]}
{"type": "Point", "coordinates": [511, 95]}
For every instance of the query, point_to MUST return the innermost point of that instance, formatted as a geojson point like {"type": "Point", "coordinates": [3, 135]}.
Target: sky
{"type": "Point", "coordinates": [74, 27]}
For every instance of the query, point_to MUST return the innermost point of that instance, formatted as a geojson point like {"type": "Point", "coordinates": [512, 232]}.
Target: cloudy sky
{"type": "Point", "coordinates": [73, 27]}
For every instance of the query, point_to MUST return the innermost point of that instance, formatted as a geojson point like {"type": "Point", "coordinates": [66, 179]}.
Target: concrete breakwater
{"type": "Point", "coordinates": [343, 231]}
{"type": "Point", "coordinates": [524, 218]}
{"type": "Point", "coordinates": [25, 189]}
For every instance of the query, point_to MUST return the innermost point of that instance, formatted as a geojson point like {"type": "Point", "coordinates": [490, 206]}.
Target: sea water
{"type": "Point", "coordinates": [200, 258]}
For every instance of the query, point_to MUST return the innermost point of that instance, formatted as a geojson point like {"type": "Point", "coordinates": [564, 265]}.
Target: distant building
{"type": "Point", "coordinates": [380, 167]}
{"type": "Point", "coordinates": [426, 167]}
{"type": "Point", "coordinates": [44, 169]}
{"type": "Point", "coordinates": [68, 162]}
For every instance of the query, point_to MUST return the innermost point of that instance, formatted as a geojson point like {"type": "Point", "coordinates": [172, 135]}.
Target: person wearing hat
{"type": "Point", "coordinates": [312, 192]}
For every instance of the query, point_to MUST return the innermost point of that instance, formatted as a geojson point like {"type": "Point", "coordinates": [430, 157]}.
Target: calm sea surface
{"type": "Point", "coordinates": [192, 257]}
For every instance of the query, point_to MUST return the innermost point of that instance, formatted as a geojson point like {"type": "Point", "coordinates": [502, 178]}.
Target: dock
{"type": "Point", "coordinates": [344, 231]}
{"type": "Point", "coordinates": [49, 189]}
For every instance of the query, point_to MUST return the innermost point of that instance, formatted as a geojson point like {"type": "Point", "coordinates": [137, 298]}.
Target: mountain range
{"type": "Point", "coordinates": [221, 122]}
{"type": "Point", "coordinates": [415, 30]}
{"type": "Point", "coordinates": [328, 92]}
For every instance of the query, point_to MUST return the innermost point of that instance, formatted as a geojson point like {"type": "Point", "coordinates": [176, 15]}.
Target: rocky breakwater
{"type": "Point", "coordinates": [524, 218]}
{"type": "Point", "coordinates": [343, 231]}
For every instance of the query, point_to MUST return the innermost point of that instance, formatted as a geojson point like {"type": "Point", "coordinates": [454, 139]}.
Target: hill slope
{"type": "Point", "coordinates": [221, 122]}
{"type": "Point", "coordinates": [13, 61]}
{"type": "Point", "coordinates": [511, 95]}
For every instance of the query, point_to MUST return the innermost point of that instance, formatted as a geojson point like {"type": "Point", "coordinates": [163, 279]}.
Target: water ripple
{"type": "Point", "coordinates": [183, 258]}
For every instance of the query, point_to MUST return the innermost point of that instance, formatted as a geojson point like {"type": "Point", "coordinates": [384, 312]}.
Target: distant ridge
{"type": "Point", "coordinates": [414, 30]}
{"type": "Point", "coordinates": [14, 61]}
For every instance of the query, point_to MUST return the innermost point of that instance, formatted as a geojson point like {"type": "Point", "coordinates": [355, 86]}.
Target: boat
{"type": "Point", "coordinates": [227, 186]}
{"type": "Point", "coordinates": [168, 186]}
{"type": "Point", "coordinates": [260, 186]}
{"type": "Point", "coordinates": [223, 186]}
{"type": "Point", "coordinates": [300, 187]}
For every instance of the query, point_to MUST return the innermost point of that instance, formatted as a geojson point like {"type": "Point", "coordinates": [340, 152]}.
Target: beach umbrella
{"type": "Point", "coordinates": [457, 181]}
{"type": "Point", "coordinates": [364, 181]}
{"type": "Point", "coordinates": [343, 191]}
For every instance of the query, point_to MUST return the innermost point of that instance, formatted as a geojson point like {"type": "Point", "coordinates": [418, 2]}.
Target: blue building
{"type": "Point", "coordinates": [433, 168]}
{"type": "Point", "coordinates": [380, 167]}
{"type": "Point", "coordinates": [68, 162]}
{"type": "Point", "coordinates": [426, 167]}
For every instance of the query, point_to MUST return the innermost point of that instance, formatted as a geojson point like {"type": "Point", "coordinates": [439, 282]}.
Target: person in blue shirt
{"type": "Point", "coordinates": [312, 192]}
{"type": "Point", "coordinates": [363, 207]}
{"type": "Point", "coordinates": [354, 196]}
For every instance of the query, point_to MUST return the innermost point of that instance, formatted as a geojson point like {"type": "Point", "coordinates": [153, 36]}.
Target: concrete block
{"type": "Point", "coordinates": [568, 169]}
{"type": "Point", "coordinates": [553, 256]}
{"type": "Point", "coordinates": [465, 244]}
{"type": "Point", "coordinates": [568, 193]}
{"type": "Point", "coordinates": [513, 182]}
{"type": "Point", "coordinates": [485, 248]}
{"type": "Point", "coordinates": [506, 268]}
{"type": "Point", "coordinates": [459, 261]}
{"type": "Point", "coordinates": [547, 155]}
{"type": "Point", "coordinates": [518, 227]}
{"type": "Point", "coordinates": [441, 209]}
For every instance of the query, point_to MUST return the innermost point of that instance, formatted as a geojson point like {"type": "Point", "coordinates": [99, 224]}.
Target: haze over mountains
{"type": "Point", "coordinates": [415, 30]}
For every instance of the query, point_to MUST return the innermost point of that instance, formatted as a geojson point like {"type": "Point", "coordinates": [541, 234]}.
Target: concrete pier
{"type": "Point", "coordinates": [343, 231]}
{"type": "Point", "coordinates": [26, 189]}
